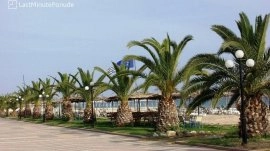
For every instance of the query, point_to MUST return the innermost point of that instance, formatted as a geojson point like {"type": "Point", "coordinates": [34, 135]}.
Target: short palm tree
{"type": "Point", "coordinates": [122, 84]}
{"type": "Point", "coordinates": [64, 86]}
{"type": "Point", "coordinates": [83, 83]}
{"type": "Point", "coordinates": [164, 74]}
{"type": "Point", "coordinates": [209, 76]}
{"type": "Point", "coordinates": [25, 92]}
{"type": "Point", "coordinates": [35, 91]}
{"type": "Point", "coordinates": [7, 102]}
{"type": "Point", "coordinates": [48, 88]}
{"type": "Point", "coordinates": [2, 105]}
{"type": "Point", "coordinates": [13, 104]}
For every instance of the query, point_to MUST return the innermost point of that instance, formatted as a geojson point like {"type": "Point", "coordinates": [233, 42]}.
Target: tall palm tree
{"type": "Point", "coordinates": [122, 84]}
{"type": "Point", "coordinates": [164, 74]}
{"type": "Point", "coordinates": [212, 79]}
{"type": "Point", "coordinates": [48, 88]}
{"type": "Point", "coordinates": [84, 81]}
{"type": "Point", "coordinates": [64, 86]}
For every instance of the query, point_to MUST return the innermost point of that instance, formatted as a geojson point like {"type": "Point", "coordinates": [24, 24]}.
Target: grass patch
{"type": "Point", "coordinates": [221, 135]}
{"type": "Point", "coordinates": [226, 136]}
{"type": "Point", "coordinates": [102, 124]}
{"type": "Point", "coordinates": [212, 140]}
{"type": "Point", "coordinates": [215, 129]}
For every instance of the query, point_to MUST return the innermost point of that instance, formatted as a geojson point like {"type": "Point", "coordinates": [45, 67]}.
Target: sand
{"type": "Point", "coordinates": [221, 119]}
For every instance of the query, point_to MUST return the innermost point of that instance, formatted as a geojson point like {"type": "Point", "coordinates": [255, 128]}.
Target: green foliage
{"type": "Point", "coordinates": [64, 85]}
{"type": "Point", "coordinates": [48, 88]}
{"type": "Point", "coordinates": [25, 93]}
{"type": "Point", "coordinates": [207, 76]}
{"type": "Point", "coordinates": [35, 91]}
{"type": "Point", "coordinates": [163, 62]}
{"type": "Point", "coordinates": [122, 82]}
{"type": "Point", "coordinates": [84, 79]}
{"type": "Point", "coordinates": [3, 101]}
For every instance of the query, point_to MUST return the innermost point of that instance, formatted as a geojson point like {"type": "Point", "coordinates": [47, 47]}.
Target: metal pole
{"type": "Point", "coordinates": [43, 100]}
{"type": "Point", "coordinates": [59, 107]}
{"type": "Point", "coordinates": [75, 110]}
{"type": "Point", "coordinates": [20, 116]}
{"type": "Point", "coordinates": [243, 118]}
{"type": "Point", "coordinates": [92, 108]}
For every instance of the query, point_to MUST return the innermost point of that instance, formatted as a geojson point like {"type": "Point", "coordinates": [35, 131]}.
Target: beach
{"type": "Point", "coordinates": [221, 119]}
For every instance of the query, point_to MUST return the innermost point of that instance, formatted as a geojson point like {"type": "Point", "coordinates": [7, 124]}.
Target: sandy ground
{"type": "Point", "coordinates": [221, 119]}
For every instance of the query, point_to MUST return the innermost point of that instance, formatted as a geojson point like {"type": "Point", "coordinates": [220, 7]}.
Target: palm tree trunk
{"type": "Point", "coordinates": [36, 111]}
{"type": "Point", "coordinates": [124, 114]}
{"type": "Point", "coordinates": [14, 113]}
{"type": "Point", "coordinates": [2, 113]}
{"type": "Point", "coordinates": [7, 112]}
{"type": "Point", "coordinates": [87, 113]}
{"type": "Point", "coordinates": [27, 111]}
{"type": "Point", "coordinates": [256, 116]}
{"type": "Point", "coordinates": [20, 113]}
{"type": "Point", "coordinates": [167, 115]}
{"type": "Point", "coordinates": [49, 115]}
{"type": "Point", "coordinates": [67, 114]}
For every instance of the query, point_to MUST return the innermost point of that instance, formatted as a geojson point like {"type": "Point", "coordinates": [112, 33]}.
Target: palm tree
{"type": "Point", "coordinates": [212, 79]}
{"type": "Point", "coordinates": [7, 102]}
{"type": "Point", "coordinates": [84, 81]}
{"type": "Point", "coordinates": [64, 86]}
{"type": "Point", "coordinates": [35, 91]}
{"type": "Point", "coordinates": [48, 88]}
{"type": "Point", "coordinates": [13, 104]}
{"type": "Point", "coordinates": [122, 84]}
{"type": "Point", "coordinates": [25, 92]}
{"type": "Point", "coordinates": [163, 75]}
{"type": "Point", "coordinates": [2, 106]}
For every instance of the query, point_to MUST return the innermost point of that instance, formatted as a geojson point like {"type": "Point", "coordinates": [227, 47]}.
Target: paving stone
{"type": "Point", "coordinates": [23, 136]}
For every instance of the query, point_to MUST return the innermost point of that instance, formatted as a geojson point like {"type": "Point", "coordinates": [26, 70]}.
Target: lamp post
{"type": "Point", "coordinates": [239, 54]}
{"type": "Point", "coordinates": [93, 115]}
{"type": "Point", "coordinates": [20, 99]}
{"type": "Point", "coordinates": [43, 96]}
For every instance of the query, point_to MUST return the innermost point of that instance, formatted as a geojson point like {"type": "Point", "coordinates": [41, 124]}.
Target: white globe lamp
{"type": "Point", "coordinates": [239, 54]}
{"type": "Point", "coordinates": [250, 63]}
{"type": "Point", "coordinates": [229, 64]}
{"type": "Point", "coordinates": [86, 88]}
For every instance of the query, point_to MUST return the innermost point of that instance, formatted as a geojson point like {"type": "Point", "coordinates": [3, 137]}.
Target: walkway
{"type": "Point", "coordinates": [24, 136]}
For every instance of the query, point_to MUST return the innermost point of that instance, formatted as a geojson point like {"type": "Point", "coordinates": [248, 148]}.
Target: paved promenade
{"type": "Point", "coordinates": [23, 136]}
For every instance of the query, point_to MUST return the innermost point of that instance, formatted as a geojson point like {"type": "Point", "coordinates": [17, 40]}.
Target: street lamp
{"type": "Point", "coordinates": [239, 54]}
{"type": "Point", "coordinates": [93, 115]}
{"type": "Point", "coordinates": [43, 96]}
{"type": "Point", "coordinates": [20, 99]}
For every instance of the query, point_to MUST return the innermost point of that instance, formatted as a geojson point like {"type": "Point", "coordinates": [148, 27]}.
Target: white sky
{"type": "Point", "coordinates": [37, 42]}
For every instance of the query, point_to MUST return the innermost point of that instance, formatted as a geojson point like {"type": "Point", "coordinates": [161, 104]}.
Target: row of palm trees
{"type": "Point", "coordinates": [204, 75]}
